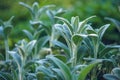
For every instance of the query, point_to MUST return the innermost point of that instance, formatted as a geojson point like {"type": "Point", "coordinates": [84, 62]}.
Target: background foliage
{"type": "Point", "coordinates": [82, 8]}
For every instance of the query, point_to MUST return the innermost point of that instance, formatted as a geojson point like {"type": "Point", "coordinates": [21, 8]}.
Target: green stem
{"type": "Point", "coordinates": [35, 52]}
{"type": "Point", "coordinates": [96, 47]}
{"type": "Point", "coordinates": [20, 73]}
{"type": "Point", "coordinates": [96, 51]}
{"type": "Point", "coordinates": [6, 48]}
{"type": "Point", "coordinates": [74, 55]}
{"type": "Point", "coordinates": [52, 37]}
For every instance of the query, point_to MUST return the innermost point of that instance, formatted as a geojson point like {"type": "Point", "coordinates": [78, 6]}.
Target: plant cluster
{"type": "Point", "coordinates": [61, 50]}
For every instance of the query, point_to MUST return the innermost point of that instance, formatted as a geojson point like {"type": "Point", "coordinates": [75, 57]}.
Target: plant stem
{"type": "Point", "coordinates": [96, 47]}
{"type": "Point", "coordinates": [52, 37]}
{"type": "Point", "coordinates": [6, 48]}
{"type": "Point", "coordinates": [96, 52]}
{"type": "Point", "coordinates": [35, 51]}
{"type": "Point", "coordinates": [74, 55]}
{"type": "Point", "coordinates": [20, 73]}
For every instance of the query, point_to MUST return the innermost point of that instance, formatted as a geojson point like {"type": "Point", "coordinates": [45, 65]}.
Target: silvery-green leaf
{"type": "Point", "coordinates": [26, 6]}
{"type": "Point", "coordinates": [16, 57]}
{"type": "Point", "coordinates": [35, 7]}
{"type": "Point", "coordinates": [116, 22]}
{"type": "Point", "coordinates": [61, 57]}
{"type": "Point", "coordinates": [63, 67]}
{"type": "Point", "coordinates": [75, 23]}
{"type": "Point", "coordinates": [91, 31]}
{"type": "Point", "coordinates": [7, 27]}
{"type": "Point", "coordinates": [93, 35]}
{"type": "Point", "coordinates": [43, 41]}
{"type": "Point", "coordinates": [59, 73]}
{"type": "Point", "coordinates": [83, 23]}
{"type": "Point", "coordinates": [50, 15]}
{"type": "Point", "coordinates": [78, 38]}
{"type": "Point", "coordinates": [46, 71]}
{"type": "Point", "coordinates": [66, 32]}
{"type": "Point", "coordinates": [21, 52]}
{"type": "Point", "coordinates": [116, 72]}
{"type": "Point", "coordinates": [110, 77]}
{"type": "Point", "coordinates": [30, 46]}
{"type": "Point", "coordinates": [61, 45]}
{"type": "Point", "coordinates": [1, 31]}
{"type": "Point", "coordinates": [29, 63]}
{"type": "Point", "coordinates": [28, 34]}
{"type": "Point", "coordinates": [87, 69]}
{"type": "Point", "coordinates": [8, 23]}
{"type": "Point", "coordinates": [44, 8]}
{"type": "Point", "coordinates": [35, 24]}
{"type": "Point", "coordinates": [60, 12]}
{"type": "Point", "coordinates": [88, 44]}
{"type": "Point", "coordinates": [107, 49]}
{"type": "Point", "coordinates": [69, 26]}
{"type": "Point", "coordinates": [102, 30]}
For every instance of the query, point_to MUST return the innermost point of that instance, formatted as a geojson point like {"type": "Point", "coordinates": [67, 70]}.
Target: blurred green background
{"type": "Point", "coordinates": [81, 8]}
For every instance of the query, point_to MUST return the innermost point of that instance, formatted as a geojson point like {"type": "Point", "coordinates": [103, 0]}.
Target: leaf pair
{"type": "Point", "coordinates": [6, 27]}
{"type": "Point", "coordinates": [114, 76]}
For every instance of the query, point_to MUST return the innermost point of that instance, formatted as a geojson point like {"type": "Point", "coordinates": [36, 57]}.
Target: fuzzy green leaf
{"type": "Point", "coordinates": [30, 46]}
{"type": "Point", "coordinates": [1, 31]}
{"type": "Point", "coordinates": [61, 45]}
{"type": "Point", "coordinates": [29, 63]}
{"type": "Point", "coordinates": [75, 23]}
{"type": "Point", "coordinates": [26, 6]}
{"type": "Point", "coordinates": [42, 41]}
{"type": "Point", "coordinates": [117, 23]}
{"type": "Point", "coordinates": [50, 15]}
{"type": "Point", "coordinates": [90, 31]}
{"type": "Point", "coordinates": [69, 26]}
{"type": "Point", "coordinates": [116, 72]}
{"type": "Point", "coordinates": [61, 57]}
{"type": "Point", "coordinates": [44, 8]}
{"type": "Point", "coordinates": [28, 34]}
{"type": "Point", "coordinates": [35, 7]}
{"type": "Point", "coordinates": [107, 49]}
{"type": "Point", "coordinates": [78, 38]}
{"type": "Point", "coordinates": [82, 24]}
{"type": "Point", "coordinates": [59, 73]}
{"type": "Point", "coordinates": [16, 57]}
{"type": "Point", "coordinates": [46, 71]}
{"type": "Point", "coordinates": [86, 70]}
{"type": "Point", "coordinates": [64, 68]}
{"type": "Point", "coordinates": [110, 77]}
{"type": "Point", "coordinates": [102, 30]}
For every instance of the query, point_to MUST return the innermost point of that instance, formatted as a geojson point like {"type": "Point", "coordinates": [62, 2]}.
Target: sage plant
{"type": "Point", "coordinates": [5, 29]}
